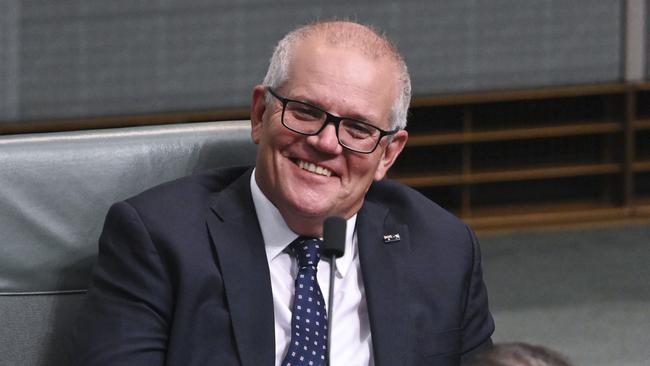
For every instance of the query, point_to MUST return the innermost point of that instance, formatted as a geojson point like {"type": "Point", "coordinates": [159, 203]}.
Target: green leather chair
{"type": "Point", "coordinates": [55, 189]}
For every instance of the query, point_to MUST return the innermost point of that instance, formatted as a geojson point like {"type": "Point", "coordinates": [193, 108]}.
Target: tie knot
{"type": "Point", "coordinates": [306, 250]}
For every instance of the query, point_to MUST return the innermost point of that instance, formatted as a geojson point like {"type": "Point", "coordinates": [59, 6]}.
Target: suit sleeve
{"type": "Point", "coordinates": [478, 324]}
{"type": "Point", "coordinates": [125, 318]}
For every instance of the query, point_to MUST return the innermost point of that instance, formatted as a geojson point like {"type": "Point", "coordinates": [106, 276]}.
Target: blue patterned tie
{"type": "Point", "coordinates": [309, 321]}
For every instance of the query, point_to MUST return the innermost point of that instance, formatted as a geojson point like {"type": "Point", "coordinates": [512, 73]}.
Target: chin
{"type": "Point", "coordinates": [309, 209]}
{"type": "Point", "coordinates": [311, 200]}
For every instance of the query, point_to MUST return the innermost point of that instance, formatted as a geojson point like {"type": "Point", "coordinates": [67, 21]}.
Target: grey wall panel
{"type": "Point", "coordinates": [122, 57]}
{"type": "Point", "coordinates": [634, 49]}
{"type": "Point", "coordinates": [88, 58]}
{"type": "Point", "coordinates": [479, 45]}
{"type": "Point", "coordinates": [9, 16]}
{"type": "Point", "coordinates": [647, 39]}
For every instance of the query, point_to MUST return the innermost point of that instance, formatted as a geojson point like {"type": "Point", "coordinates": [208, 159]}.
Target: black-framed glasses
{"type": "Point", "coordinates": [309, 120]}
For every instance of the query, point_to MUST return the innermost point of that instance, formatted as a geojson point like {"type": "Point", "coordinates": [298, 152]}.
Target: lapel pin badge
{"type": "Point", "coordinates": [391, 238]}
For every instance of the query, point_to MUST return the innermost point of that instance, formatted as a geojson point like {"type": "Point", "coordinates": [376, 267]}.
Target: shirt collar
{"type": "Point", "coordinates": [277, 234]}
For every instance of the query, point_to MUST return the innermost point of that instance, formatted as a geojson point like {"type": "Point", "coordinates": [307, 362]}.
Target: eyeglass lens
{"type": "Point", "coordinates": [352, 134]}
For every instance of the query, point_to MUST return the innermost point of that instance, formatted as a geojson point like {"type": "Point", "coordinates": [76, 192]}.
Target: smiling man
{"type": "Point", "coordinates": [223, 268]}
{"type": "Point", "coordinates": [301, 166]}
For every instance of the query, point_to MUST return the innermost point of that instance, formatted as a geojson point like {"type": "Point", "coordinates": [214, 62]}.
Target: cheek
{"type": "Point", "coordinates": [270, 137]}
{"type": "Point", "coordinates": [363, 170]}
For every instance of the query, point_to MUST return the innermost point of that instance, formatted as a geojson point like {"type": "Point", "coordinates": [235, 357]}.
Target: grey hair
{"type": "Point", "coordinates": [364, 38]}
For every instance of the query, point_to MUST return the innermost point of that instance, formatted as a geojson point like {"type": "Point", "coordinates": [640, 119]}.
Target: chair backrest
{"type": "Point", "coordinates": [55, 189]}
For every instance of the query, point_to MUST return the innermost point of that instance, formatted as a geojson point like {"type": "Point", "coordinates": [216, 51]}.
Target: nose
{"type": "Point", "coordinates": [326, 140]}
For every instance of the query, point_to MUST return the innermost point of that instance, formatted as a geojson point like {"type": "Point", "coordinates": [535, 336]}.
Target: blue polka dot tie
{"type": "Point", "coordinates": [309, 321]}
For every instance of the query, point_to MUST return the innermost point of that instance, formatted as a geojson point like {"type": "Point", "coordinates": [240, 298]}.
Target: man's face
{"type": "Point", "coordinates": [309, 178]}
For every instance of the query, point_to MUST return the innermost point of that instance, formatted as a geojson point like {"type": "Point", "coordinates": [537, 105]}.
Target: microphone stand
{"type": "Point", "coordinates": [333, 247]}
{"type": "Point", "coordinates": [330, 306]}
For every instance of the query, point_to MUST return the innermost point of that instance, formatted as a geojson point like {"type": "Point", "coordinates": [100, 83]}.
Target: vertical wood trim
{"type": "Point", "coordinates": [629, 151]}
{"type": "Point", "coordinates": [634, 40]}
{"type": "Point", "coordinates": [466, 194]}
{"type": "Point", "coordinates": [609, 194]}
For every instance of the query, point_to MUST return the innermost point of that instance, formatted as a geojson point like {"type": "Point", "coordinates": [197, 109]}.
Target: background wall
{"type": "Point", "coordinates": [584, 293]}
{"type": "Point", "coordinates": [82, 58]}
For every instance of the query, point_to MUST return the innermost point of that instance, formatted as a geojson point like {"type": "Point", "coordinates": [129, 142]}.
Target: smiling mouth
{"type": "Point", "coordinates": [313, 168]}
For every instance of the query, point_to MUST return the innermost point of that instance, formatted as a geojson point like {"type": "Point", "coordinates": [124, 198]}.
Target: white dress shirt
{"type": "Point", "coordinates": [351, 343]}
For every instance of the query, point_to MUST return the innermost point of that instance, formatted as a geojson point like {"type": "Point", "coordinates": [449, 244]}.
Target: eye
{"type": "Point", "coordinates": [304, 112]}
{"type": "Point", "coordinates": [358, 130]}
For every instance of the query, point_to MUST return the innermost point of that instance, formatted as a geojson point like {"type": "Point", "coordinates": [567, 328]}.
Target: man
{"type": "Point", "coordinates": [198, 271]}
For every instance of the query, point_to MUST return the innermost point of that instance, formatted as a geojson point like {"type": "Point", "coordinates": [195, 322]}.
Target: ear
{"type": "Point", "coordinates": [390, 153]}
{"type": "Point", "coordinates": [258, 106]}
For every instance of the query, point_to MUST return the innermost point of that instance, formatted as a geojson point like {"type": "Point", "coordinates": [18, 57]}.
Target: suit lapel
{"type": "Point", "coordinates": [242, 258]}
{"type": "Point", "coordinates": [382, 267]}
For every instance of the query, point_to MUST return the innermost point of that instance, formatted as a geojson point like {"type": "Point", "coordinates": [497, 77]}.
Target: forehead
{"type": "Point", "coordinates": [343, 80]}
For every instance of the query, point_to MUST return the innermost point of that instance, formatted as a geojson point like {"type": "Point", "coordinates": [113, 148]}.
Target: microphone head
{"type": "Point", "coordinates": [334, 236]}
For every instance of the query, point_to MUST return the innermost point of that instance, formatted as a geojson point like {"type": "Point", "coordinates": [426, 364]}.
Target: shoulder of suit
{"type": "Point", "coordinates": [195, 187]}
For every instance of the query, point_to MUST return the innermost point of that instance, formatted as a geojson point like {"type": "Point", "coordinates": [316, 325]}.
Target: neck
{"type": "Point", "coordinates": [312, 226]}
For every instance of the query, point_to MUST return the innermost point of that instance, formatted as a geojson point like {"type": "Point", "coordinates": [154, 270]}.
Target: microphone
{"type": "Point", "coordinates": [333, 247]}
{"type": "Point", "coordinates": [334, 236]}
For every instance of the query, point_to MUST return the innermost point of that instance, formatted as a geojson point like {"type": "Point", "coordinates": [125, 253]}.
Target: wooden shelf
{"type": "Point", "coordinates": [642, 210]}
{"type": "Point", "coordinates": [598, 125]}
{"type": "Point", "coordinates": [554, 216]}
{"type": "Point", "coordinates": [515, 133]}
{"type": "Point", "coordinates": [642, 124]}
{"type": "Point", "coordinates": [426, 180]}
{"type": "Point", "coordinates": [641, 166]}
{"type": "Point", "coordinates": [642, 206]}
{"type": "Point", "coordinates": [521, 94]}
{"type": "Point", "coordinates": [485, 219]}
{"type": "Point", "coordinates": [430, 180]}
{"type": "Point", "coordinates": [123, 121]}
{"type": "Point", "coordinates": [640, 86]}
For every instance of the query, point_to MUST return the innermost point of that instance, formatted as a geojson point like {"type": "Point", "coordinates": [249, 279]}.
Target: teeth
{"type": "Point", "coordinates": [311, 167]}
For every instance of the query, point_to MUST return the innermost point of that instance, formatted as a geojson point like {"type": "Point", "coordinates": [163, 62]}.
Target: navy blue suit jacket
{"type": "Point", "coordinates": [182, 279]}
